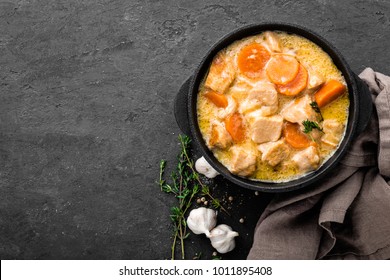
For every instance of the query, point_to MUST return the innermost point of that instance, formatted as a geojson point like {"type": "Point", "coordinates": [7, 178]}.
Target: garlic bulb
{"type": "Point", "coordinates": [202, 220]}
{"type": "Point", "coordinates": [222, 238]}
{"type": "Point", "coordinates": [203, 167]}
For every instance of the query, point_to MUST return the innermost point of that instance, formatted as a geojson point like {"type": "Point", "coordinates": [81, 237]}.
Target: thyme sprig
{"type": "Point", "coordinates": [316, 109]}
{"type": "Point", "coordinates": [205, 189]}
{"type": "Point", "coordinates": [185, 185]}
{"type": "Point", "coordinates": [161, 181]}
{"type": "Point", "coordinates": [308, 126]}
{"type": "Point", "coordinates": [215, 202]}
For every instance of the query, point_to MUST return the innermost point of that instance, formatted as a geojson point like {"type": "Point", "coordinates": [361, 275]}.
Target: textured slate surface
{"type": "Point", "coordinates": [86, 113]}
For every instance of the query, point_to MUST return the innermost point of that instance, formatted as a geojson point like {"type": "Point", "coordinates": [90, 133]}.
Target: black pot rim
{"type": "Point", "coordinates": [341, 64]}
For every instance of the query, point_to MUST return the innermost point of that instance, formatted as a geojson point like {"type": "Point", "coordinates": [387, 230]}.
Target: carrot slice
{"type": "Point", "coordinates": [252, 60]}
{"type": "Point", "coordinates": [295, 86]}
{"type": "Point", "coordinates": [218, 99]}
{"type": "Point", "coordinates": [282, 69]}
{"type": "Point", "coordinates": [235, 126]}
{"type": "Point", "coordinates": [294, 136]}
{"type": "Point", "coordinates": [329, 92]}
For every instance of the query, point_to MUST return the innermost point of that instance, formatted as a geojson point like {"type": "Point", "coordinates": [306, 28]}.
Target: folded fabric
{"type": "Point", "coordinates": [347, 215]}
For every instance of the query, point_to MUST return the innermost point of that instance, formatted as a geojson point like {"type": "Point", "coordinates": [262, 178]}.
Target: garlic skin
{"type": "Point", "coordinates": [202, 220]}
{"type": "Point", "coordinates": [222, 238]}
{"type": "Point", "coordinates": [203, 167]}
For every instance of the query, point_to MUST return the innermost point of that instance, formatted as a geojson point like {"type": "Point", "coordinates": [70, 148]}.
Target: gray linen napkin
{"type": "Point", "coordinates": [345, 216]}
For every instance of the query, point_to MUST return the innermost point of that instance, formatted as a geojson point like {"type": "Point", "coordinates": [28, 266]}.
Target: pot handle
{"type": "Point", "coordinates": [181, 107]}
{"type": "Point", "coordinates": [365, 105]}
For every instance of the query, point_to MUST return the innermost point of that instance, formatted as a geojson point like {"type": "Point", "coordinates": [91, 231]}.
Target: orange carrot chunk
{"type": "Point", "coordinates": [218, 99]}
{"type": "Point", "coordinates": [235, 126]}
{"type": "Point", "coordinates": [282, 69]}
{"type": "Point", "coordinates": [295, 86]}
{"type": "Point", "coordinates": [295, 137]}
{"type": "Point", "coordinates": [329, 92]}
{"type": "Point", "coordinates": [252, 60]}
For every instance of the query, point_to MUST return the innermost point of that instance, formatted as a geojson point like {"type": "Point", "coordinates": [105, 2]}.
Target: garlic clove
{"type": "Point", "coordinates": [222, 238]}
{"type": "Point", "coordinates": [203, 167]}
{"type": "Point", "coordinates": [202, 220]}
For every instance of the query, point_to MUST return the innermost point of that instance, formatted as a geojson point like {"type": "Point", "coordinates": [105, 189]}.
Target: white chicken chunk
{"type": "Point", "coordinates": [253, 116]}
{"type": "Point", "coordinates": [219, 136]}
{"type": "Point", "coordinates": [274, 153]}
{"type": "Point", "coordinates": [333, 131]}
{"type": "Point", "coordinates": [266, 129]}
{"type": "Point", "coordinates": [315, 81]}
{"type": "Point", "coordinates": [307, 159]}
{"type": "Point", "coordinates": [243, 162]}
{"type": "Point", "coordinates": [272, 41]}
{"type": "Point", "coordinates": [230, 109]}
{"type": "Point", "coordinates": [315, 78]}
{"type": "Point", "coordinates": [221, 74]}
{"type": "Point", "coordinates": [262, 112]}
{"type": "Point", "coordinates": [299, 110]}
{"type": "Point", "coordinates": [263, 96]}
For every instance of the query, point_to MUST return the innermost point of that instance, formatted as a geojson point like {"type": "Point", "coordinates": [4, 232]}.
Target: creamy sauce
{"type": "Point", "coordinates": [310, 56]}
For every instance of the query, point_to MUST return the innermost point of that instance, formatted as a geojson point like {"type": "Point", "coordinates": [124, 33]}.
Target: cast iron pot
{"type": "Point", "coordinates": [359, 111]}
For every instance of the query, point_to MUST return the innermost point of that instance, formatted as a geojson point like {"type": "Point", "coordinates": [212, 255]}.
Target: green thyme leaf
{"type": "Point", "coordinates": [310, 125]}
{"type": "Point", "coordinates": [216, 203]}
{"type": "Point", "coordinates": [315, 107]}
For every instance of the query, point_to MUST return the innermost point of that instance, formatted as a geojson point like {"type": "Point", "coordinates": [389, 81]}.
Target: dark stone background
{"type": "Point", "coordinates": [86, 114]}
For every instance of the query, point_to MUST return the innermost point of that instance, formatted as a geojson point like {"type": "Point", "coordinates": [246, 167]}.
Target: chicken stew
{"type": "Point", "coordinates": [272, 107]}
